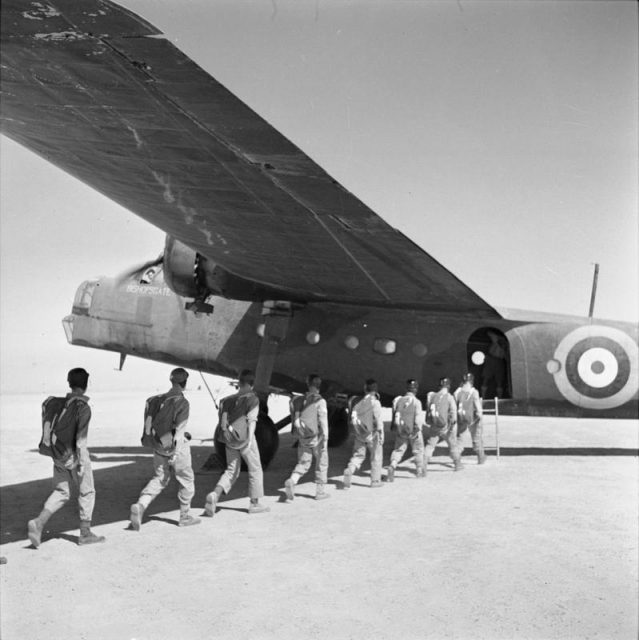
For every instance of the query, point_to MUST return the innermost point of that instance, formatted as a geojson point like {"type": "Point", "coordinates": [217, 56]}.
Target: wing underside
{"type": "Point", "coordinates": [100, 93]}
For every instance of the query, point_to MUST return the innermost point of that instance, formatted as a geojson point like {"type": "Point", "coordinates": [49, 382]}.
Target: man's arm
{"type": "Point", "coordinates": [180, 418]}
{"type": "Point", "coordinates": [322, 418]}
{"type": "Point", "coordinates": [452, 412]}
{"type": "Point", "coordinates": [479, 412]}
{"type": "Point", "coordinates": [251, 419]}
{"type": "Point", "coordinates": [419, 414]}
{"type": "Point", "coordinates": [82, 434]}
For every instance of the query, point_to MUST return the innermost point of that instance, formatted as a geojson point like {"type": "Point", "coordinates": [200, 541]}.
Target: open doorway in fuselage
{"type": "Point", "coordinates": [488, 356]}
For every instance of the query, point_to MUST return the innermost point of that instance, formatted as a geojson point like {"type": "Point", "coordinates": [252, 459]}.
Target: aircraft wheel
{"type": "Point", "coordinates": [337, 426]}
{"type": "Point", "coordinates": [267, 437]}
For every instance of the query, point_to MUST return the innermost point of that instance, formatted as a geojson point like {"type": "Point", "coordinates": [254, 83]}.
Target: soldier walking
{"type": "Point", "coordinates": [407, 424]}
{"type": "Point", "coordinates": [165, 419]}
{"type": "Point", "coordinates": [238, 418]}
{"type": "Point", "coordinates": [441, 419]}
{"type": "Point", "coordinates": [366, 420]}
{"type": "Point", "coordinates": [469, 417]}
{"type": "Point", "coordinates": [309, 417]}
{"type": "Point", "coordinates": [65, 428]}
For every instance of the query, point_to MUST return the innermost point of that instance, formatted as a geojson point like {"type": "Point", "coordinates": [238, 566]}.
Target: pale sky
{"type": "Point", "coordinates": [499, 136]}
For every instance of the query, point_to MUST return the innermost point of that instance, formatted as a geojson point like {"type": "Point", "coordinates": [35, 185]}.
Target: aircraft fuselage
{"type": "Point", "coordinates": [564, 367]}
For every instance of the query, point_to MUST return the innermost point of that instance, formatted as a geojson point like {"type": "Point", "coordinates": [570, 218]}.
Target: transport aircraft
{"type": "Point", "coordinates": [269, 263]}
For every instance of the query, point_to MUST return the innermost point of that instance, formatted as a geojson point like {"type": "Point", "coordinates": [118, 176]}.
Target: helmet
{"type": "Point", "coordinates": [444, 382]}
{"type": "Point", "coordinates": [468, 377]}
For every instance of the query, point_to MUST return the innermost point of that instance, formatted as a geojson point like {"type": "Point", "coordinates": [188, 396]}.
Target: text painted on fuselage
{"type": "Point", "coordinates": [148, 290]}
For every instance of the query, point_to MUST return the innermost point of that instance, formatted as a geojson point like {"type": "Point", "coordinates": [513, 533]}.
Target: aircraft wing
{"type": "Point", "coordinates": [99, 92]}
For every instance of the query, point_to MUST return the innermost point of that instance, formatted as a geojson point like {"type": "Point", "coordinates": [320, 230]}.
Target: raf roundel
{"type": "Point", "coordinates": [596, 367]}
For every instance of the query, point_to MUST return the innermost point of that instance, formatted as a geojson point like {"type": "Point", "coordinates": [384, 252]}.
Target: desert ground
{"type": "Point", "coordinates": [540, 543]}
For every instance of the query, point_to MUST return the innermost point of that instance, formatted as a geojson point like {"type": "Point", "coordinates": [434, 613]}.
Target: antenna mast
{"type": "Point", "coordinates": [595, 277]}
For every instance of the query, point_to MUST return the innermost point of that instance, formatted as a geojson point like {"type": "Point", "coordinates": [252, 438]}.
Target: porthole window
{"type": "Point", "coordinates": [385, 346]}
{"type": "Point", "coordinates": [478, 357]}
{"type": "Point", "coordinates": [420, 350]}
{"type": "Point", "coordinates": [351, 342]}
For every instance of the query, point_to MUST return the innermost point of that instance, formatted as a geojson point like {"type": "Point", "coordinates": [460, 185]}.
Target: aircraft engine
{"type": "Point", "coordinates": [191, 275]}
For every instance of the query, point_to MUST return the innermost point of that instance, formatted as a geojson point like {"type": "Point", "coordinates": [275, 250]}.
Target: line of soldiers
{"type": "Point", "coordinates": [65, 428]}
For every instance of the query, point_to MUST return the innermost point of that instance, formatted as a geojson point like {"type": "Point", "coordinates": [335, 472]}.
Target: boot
{"type": "Point", "coordinates": [481, 456]}
{"type": "Point", "coordinates": [35, 527]}
{"type": "Point", "coordinates": [135, 516]}
{"type": "Point", "coordinates": [320, 492]}
{"type": "Point", "coordinates": [256, 507]}
{"type": "Point", "coordinates": [211, 502]}
{"type": "Point", "coordinates": [186, 519]}
{"type": "Point", "coordinates": [458, 464]}
{"type": "Point", "coordinates": [390, 473]}
{"type": "Point", "coordinates": [288, 489]}
{"type": "Point", "coordinates": [86, 535]}
{"type": "Point", "coordinates": [346, 481]}
{"type": "Point", "coordinates": [376, 484]}
{"type": "Point", "coordinates": [420, 471]}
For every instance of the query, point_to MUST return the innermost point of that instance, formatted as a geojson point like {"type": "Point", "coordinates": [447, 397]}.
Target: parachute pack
{"type": "Point", "coordinates": [60, 427]}
{"type": "Point", "coordinates": [362, 415]}
{"type": "Point", "coordinates": [438, 406]}
{"type": "Point", "coordinates": [305, 407]}
{"type": "Point", "coordinates": [233, 414]}
{"type": "Point", "coordinates": [405, 415]}
{"type": "Point", "coordinates": [158, 421]}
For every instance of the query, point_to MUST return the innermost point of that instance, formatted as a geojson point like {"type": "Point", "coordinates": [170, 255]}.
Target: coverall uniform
{"type": "Point", "coordinates": [447, 431]}
{"type": "Point", "coordinates": [408, 420]}
{"type": "Point", "coordinates": [77, 471]}
{"type": "Point", "coordinates": [174, 455]}
{"type": "Point", "coordinates": [309, 416]}
{"type": "Point", "coordinates": [237, 413]}
{"type": "Point", "coordinates": [469, 416]}
{"type": "Point", "coordinates": [366, 419]}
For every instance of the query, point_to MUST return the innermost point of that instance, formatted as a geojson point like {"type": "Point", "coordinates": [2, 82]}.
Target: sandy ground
{"type": "Point", "coordinates": [541, 543]}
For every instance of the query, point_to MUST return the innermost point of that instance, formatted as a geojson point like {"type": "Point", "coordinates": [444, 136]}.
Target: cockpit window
{"type": "Point", "coordinates": [83, 297]}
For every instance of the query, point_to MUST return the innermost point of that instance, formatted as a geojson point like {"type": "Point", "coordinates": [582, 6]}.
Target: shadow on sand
{"type": "Point", "coordinates": [118, 486]}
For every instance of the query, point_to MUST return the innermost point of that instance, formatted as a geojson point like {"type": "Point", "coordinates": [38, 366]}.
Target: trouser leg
{"type": "Point", "coordinates": [86, 490]}
{"type": "Point", "coordinates": [376, 452]}
{"type": "Point", "coordinates": [232, 472]}
{"type": "Point", "coordinates": [61, 489]}
{"type": "Point", "coordinates": [476, 433]}
{"type": "Point", "coordinates": [255, 475]}
{"type": "Point", "coordinates": [184, 475]}
{"type": "Point", "coordinates": [417, 445]}
{"type": "Point", "coordinates": [358, 457]}
{"type": "Point", "coordinates": [159, 481]}
{"type": "Point", "coordinates": [321, 462]}
{"type": "Point", "coordinates": [304, 461]}
{"type": "Point", "coordinates": [400, 446]}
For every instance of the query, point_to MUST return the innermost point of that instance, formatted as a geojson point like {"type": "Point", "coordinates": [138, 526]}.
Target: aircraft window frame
{"type": "Point", "coordinates": [385, 346]}
{"type": "Point", "coordinates": [351, 342]}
